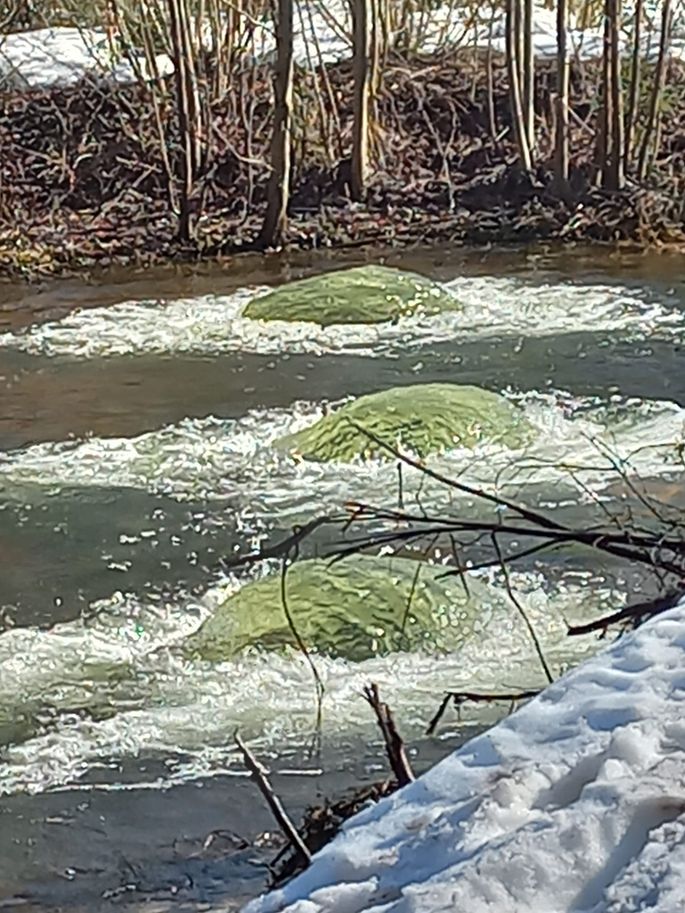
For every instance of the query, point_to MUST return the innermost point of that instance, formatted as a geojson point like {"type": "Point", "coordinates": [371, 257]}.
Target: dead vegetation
{"type": "Point", "coordinates": [83, 176]}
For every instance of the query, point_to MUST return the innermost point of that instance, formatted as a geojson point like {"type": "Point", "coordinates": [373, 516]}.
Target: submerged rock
{"type": "Point", "coordinates": [364, 294]}
{"type": "Point", "coordinates": [358, 608]}
{"type": "Point", "coordinates": [422, 418]}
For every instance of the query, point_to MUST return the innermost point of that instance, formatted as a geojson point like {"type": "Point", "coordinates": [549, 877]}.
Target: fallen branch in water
{"type": "Point", "coordinates": [394, 745]}
{"type": "Point", "coordinates": [458, 698]}
{"type": "Point", "coordinates": [259, 775]}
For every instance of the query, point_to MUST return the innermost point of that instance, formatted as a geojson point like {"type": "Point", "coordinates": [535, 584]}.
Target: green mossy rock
{"type": "Point", "coordinates": [365, 294]}
{"type": "Point", "coordinates": [355, 609]}
{"type": "Point", "coordinates": [423, 418]}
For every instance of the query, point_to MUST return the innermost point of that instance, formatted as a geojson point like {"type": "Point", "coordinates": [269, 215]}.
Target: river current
{"type": "Point", "coordinates": [137, 421]}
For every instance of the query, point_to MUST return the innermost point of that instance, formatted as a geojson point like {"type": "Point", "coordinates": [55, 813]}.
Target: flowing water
{"type": "Point", "coordinates": [136, 432]}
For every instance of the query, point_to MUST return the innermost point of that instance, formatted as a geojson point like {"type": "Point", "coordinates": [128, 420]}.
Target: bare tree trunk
{"type": "Point", "coordinates": [313, 63]}
{"type": "Point", "coordinates": [616, 171]}
{"type": "Point", "coordinates": [276, 217]}
{"type": "Point", "coordinates": [517, 26]}
{"type": "Point", "coordinates": [490, 80]}
{"type": "Point", "coordinates": [561, 126]}
{"type": "Point", "coordinates": [384, 29]}
{"type": "Point", "coordinates": [513, 71]}
{"type": "Point", "coordinates": [634, 90]}
{"type": "Point", "coordinates": [604, 115]}
{"type": "Point", "coordinates": [528, 83]}
{"type": "Point", "coordinates": [610, 142]}
{"type": "Point", "coordinates": [362, 13]}
{"type": "Point", "coordinates": [189, 115]}
{"type": "Point", "coordinates": [378, 55]}
{"type": "Point", "coordinates": [652, 128]}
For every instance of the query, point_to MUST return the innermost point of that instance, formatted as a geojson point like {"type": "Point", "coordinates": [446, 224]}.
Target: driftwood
{"type": "Point", "coordinates": [322, 822]}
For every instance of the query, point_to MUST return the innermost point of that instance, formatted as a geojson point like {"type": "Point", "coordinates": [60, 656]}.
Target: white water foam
{"type": "Point", "coordinates": [580, 445]}
{"type": "Point", "coordinates": [114, 688]}
{"type": "Point", "coordinates": [213, 324]}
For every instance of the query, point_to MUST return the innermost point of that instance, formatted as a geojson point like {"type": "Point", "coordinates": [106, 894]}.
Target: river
{"type": "Point", "coordinates": [138, 413]}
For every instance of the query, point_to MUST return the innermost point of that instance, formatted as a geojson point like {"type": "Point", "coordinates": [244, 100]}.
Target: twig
{"type": "Point", "coordinates": [259, 774]}
{"type": "Point", "coordinates": [637, 613]}
{"type": "Point", "coordinates": [523, 512]}
{"type": "Point", "coordinates": [394, 746]}
{"type": "Point", "coordinates": [285, 546]}
{"type": "Point", "coordinates": [410, 597]}
{"type": "Point", "coordinates": [522, 611]}
{"type": "Point", "coordinates": [318, 683]}
{"type": "Point", "coordinates": [414, 585]}
{"type": "Point", "coordinates": [462, 697]}
{"type": "Point", "coordinates": [623, 544]}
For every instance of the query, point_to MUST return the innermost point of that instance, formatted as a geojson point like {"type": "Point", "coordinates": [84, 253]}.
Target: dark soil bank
{"type": "Point", "coordinates": [83, 180]}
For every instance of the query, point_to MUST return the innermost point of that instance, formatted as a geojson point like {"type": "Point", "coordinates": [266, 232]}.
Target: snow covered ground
{"type": "Point", "coordinates": [62, 56]}
{"type": "Point", "coordinates": [575, 804]}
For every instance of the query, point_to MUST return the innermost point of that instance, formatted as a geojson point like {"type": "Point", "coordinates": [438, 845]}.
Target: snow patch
{"type": "Point", "coordinates": [575, 803]}
{"type": "Point", "coordinates": [63, 56]}
{"type": "Point", "coordinates": [59, 56]}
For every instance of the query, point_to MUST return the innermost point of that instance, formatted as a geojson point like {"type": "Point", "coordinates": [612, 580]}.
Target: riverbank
{"type": "Point", "coordinates": [137, 448]}
{"type": "Point", "coordinates": [84, 184]}
{"type": "Point", "coordinates": [572, 803]}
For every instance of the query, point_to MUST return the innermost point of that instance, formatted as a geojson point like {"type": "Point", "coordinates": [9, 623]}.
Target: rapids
{"type": "Point", "coordinates": [139, 433]}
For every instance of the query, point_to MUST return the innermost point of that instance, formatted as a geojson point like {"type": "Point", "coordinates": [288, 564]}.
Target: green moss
{"type": "Point", "coordinates": [422, 418]}
{"type": "Point", "coordinates": [355, 609]}
{"type": "Point", "coordinates": [365, 294]}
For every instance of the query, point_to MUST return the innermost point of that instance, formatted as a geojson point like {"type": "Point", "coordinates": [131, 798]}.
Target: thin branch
{"type": "Point", "coordinates": [285, 546]}
{"type": "Point", "coordinates": [523, 512]}
{"type": "Point", "coordinates": [318, 683]}
{"type": "Point", "coordinates": [522, 612]}
{"type": "Point", "coordinates": [623, 544]}
{"type": "Point", "coordinates": [260, 776]}
{"type": "Point", "coordinates": [462, 697]}
{"type": "Point", "coordinates": [636, 613]}
{"type": "Point", "coordinates": [412, 589]}
{"type": "Point", "coordinates": [394, 746]}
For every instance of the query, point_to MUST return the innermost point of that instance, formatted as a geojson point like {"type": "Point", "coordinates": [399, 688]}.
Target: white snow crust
{"type": "Point", "coordinates": [574, 803]}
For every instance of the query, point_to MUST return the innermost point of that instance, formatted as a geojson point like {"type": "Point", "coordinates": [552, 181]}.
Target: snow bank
{"type": "Point", "coordinates": [574, 803]}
